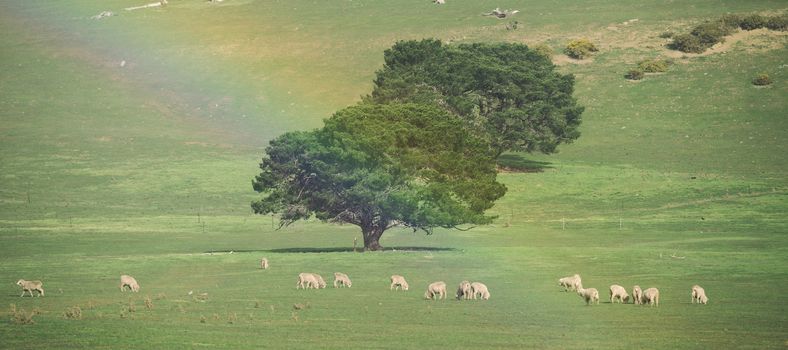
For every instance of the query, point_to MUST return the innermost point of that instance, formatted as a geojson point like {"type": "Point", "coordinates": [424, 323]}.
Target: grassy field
{"type": "Point", "coordinates": [128, 145]}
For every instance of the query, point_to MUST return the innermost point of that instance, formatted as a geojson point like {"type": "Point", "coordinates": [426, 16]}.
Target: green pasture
{"type": "Point", "coordinates": [145, 168]}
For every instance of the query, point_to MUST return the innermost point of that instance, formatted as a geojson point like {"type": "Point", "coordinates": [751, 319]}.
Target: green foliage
{"type": "Point", "coordinates": [752, 22]}
{"type": "Point", "coordinates": [653, 66]}
{"type": "Point", "coordinates": [778, 22]}
{"type": "Point", "coordinates": [688, 43]}
{"type": "Point", "coordinates": [762, 79]}
{"type": "Point", "coordinates": [508, 93]}
{"type": "Point", "coordinates": [731, 20]}
{"type": "Point", "coordinates": [634, 74]}
{"type": "Point", "coordinates": [580, 49]}
{"type": "Point", "coordinates": [375, 166]}
{"type": "Point", "coordinates": [702, 36]}
{"type": "Point", "coordinates": [709, 33]}
{"type": "Point", "coordinates": [543, 49]}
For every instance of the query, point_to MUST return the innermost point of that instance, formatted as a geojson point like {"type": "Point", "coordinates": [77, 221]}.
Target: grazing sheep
{"type": "Point", "coordinates": [591, 295]}
{"type": "Point", "coordinates": [618, 292]}
{"type": "Point", "coordinates": [398, 281]}
{"type": "Point", "coordinates": [436, 289]}
{"type": "Point", "coordinates": [570, 283]}
{"type": "Point", "coordinates": [30, 286]}
{"type": "Point", "coordinates": [341, 279]}
{"type": "Point", "coordinates": [128, 281]}
{"type": "Point", "coordinates": [464, 290]}
{"type": "Point", "coordinates": [699, 295]}
{"type": "Point", "coordinates": [307, 280]}
{"type": "Point", "coordinates": [651, 296]}
{"type": "Point", "coordinates": [480, 289]}
{"type": "Point", "coordinates": [321, 283]}
{"type": "Point", "coordinates": [637, 295]}
{"type": "Point", "coordinates": [264, 263]}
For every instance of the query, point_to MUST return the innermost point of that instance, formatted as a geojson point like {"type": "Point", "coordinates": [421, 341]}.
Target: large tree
{"type": "Point", "coordinates": [378, 166]}
{"type": "Point", "coordinates": [506, 92]}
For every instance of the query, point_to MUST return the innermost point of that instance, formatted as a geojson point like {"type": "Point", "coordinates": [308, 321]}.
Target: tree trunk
{"type": "Point", "coordinates": [371, 238]}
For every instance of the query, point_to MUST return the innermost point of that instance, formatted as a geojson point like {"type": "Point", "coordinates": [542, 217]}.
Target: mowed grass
{"type": "Point", "coordinates": [145, 170]}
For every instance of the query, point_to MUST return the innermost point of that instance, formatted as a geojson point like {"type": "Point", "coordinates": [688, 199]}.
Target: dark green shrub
{"type": "Point", "coordinates": [580, 49]}
{"type": "Point", "coordinates": [653, 66]}
{"type": "Point", "coordinates": [710, 33]}
{"type": "Point", "coordinates": [543, 49]}
{"type": "Point", "coordinates": [777, 22]}
{"type": "Point", "coordinates": [634, 74]}
{"type": "Point", "coordinates": [731, 21]}
{"type": "Point", "coordinates": [762, 80]}
{"type": "Point", "coordinates": [753, 22]}
{"type": "Point", "coordinates": [688, 43]}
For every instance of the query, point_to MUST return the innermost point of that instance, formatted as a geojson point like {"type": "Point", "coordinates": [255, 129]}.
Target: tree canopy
{"type": "Point", "coordinates": [507, 93]}
{"type": "Point", "coordinates": [378, 166]}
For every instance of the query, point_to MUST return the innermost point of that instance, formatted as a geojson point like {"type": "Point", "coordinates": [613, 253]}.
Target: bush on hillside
{"type": "Point", "coordinates": [732, 21]}
{"type": "Point", "coordinates": [710, 33]}
{"type": "Point", "coordinates": [667, 35]}
{"type": "Point", "coordinates": [707, 34]}
{"type": "Point", "coordinates": [688, 43]}
{"type": "Point", "coordinates": [778, 22]}
{"type": "Point", "coordinates": [580, 49]}
{"type": "Point", "coordinates": [543, 49]}
{"type": "Point", "coordinates": [762, 80]}
{"type": "Point", "coordinates": [753, 22]}
{"type": "Point", "coordinates": [634, 74]}
{"type": "Point", "coordinates": [654, 66]}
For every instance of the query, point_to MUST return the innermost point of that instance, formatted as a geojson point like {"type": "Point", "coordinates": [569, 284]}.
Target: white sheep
{"type": "Point", "coordinates": [637, 295]}
{"type": "Point", "coordinates": [307, 280]}
{"type": "Point", "coordinates": [699, 295]}
{"type": "Point", "coordinates": [321, 283]}
{"type": "Point", "coordinates": [342, 279]}
{"type": "Point", "coordinates": [128, 281]}
{"type": "Point", "coordinates": [651, 296]}
{"type": "Point", "coordinates": [618, 293]}
{"type": "Point", "coordinates": [264, 263]}
{"type": "Point", "coordinates": [570, 283]}
{"type": "Point", "coordinates": [464, 290]}
{"type": "Point", "coordinates": [479, 289]}
{"type": "Point", "coordinates": [398, 281]}
{"type": "Point", "coordinates": [436, 289]}
{"type": "Point", "coordinates": [590, 295]}
{"type": "Point", "coordinates": [30, 286]}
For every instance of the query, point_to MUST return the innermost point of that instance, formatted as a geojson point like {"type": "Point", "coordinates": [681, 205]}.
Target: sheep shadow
{"type": "Point", "coordinates": [513, 162]}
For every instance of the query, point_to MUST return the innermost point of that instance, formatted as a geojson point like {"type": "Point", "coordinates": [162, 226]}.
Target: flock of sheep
{"type": "Point", "coordinates": [38, 286]}
{"type": "Point", "coordinates": [437, 290]}
{"type": "Point", "coordinates": [639, 297]}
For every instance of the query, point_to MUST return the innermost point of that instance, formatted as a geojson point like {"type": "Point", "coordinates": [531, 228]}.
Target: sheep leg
{"type": "Point", "coordinates": [23, 294]}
